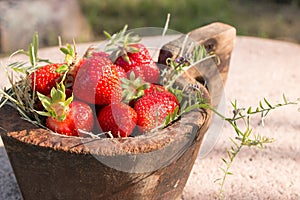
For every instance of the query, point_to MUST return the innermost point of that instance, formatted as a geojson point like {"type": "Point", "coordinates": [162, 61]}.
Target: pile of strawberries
{"type": "Point", "coordinates": [115, 91]}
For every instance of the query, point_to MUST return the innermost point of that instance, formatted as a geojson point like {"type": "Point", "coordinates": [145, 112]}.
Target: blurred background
{"type": "Point", "coordinates": [85, 20]}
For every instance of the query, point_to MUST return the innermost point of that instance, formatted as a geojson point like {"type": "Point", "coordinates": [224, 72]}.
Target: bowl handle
{"type": "Point", "coordinates": [218, 38]}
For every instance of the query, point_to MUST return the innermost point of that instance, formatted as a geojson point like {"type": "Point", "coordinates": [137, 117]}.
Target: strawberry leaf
{"type": "Point", "coordinates": [120, 44]}
{"type": "Point", "coordinates": [56, 105]}
{"type": "Point", "coordinates": [35, 42]}
{"type": "Point", "coordinates": [62, 69]}
{"type": "Point", "coordinates": [133, 88]}
{"type": "Point", "coordinates": [46, 101]}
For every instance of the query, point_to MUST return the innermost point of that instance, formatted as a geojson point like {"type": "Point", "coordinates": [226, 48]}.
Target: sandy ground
{"type": "Point", "coordinates": [259, 68]}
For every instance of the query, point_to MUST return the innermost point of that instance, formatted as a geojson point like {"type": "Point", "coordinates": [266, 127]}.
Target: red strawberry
{"type": "Point", "coordinates": [101, 54]}
{"type": "Point", "coordinates": [92, 53]}
{"type": "Point", "coordinates": [118, 118]}
{"type": "Point", "coordinates": [45, 78]}
{"type": "Point", "coordinates": [139, 56]}
{"type": "Point", "coordinates": [98, 82]}
{"type": "Point", "coordinates": [149, 72]}
{"type": "Point", "coordinates": [153, 108]}
{"type": "Point", "coordinates": [72, 74]}
{"type": "Point", "coordinates": [154, 88]}
{"type": "Point", "coordinates": [64, 115]}
{"type": "Point", "coordinates": [79, 116]}
{"type": "Point", "coordinates": [121, 72]}
{"type": "Point", "coordinates": [131, 55]}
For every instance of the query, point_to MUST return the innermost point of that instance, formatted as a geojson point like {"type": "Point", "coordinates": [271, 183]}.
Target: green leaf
{"type": "Point", "coordinates": [234, 104]}
{"type": "Point", "coordinates": [62, 69]}
{"type": "Point", "coordinates": [235, 144]}
{"type": "Point", "coordinates": [261, 105]}
{"type": "Point", "coordinates": [69, 100]}
{"type": "Point", "coordinates": [132, 75]}
{"type": "Point", "coordinates": [249, 110]}
{"type": "Point", "coordinates": [46, 101]}
{"type": "Point", "coordinates": [107, 35]}
{"type": "Point", "coordinates": [35, 42]}
{"type": "Point", "coordinates": [270, 106]}
{"type": "Point", "coordinates": [229, 173]}
{"type": "Point", "coordinates": [223, 170]}
{"type": "Point", "coordinates": [247, 133]}
{"type": "Point", "coordinates": [46, 114]}
{"type": "Point", "coordinates": [31, 55]}
{"type": "Point", "coordinates": [217, 180]}
{"type": "Point", "coordinates": [176, 110]}
{"type": "Point", "coordinates": [167, 119]}
{"type": "Point", "coordinates": [62, 117]}
{"type": "Point", "coordinates": [192, 107]}
{"type": "Point", "coordinates": [126, 58]}
{"type": "Point", "coordinates": [229, 154]}
{"type": "Point", "coordinates": [284, 99]}
{"type": "Point", "coordinates": [56, 95]}
{"type": "Point", "coordinates": [183, 106]}
{"type": "Point", "coordinates": [71, 49]}
{"type": "Point", "coordinates": [65, 50]}
{"type": "Point", "coordinates": [19, 66]}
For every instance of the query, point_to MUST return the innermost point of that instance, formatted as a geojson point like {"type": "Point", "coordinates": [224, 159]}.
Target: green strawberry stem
{"type": "Point", "coordinates": [121, 43]}
{"type": "Point", "coordinates": [70, 54]}
{"type": "Point", "coordinates": [57, 104]}
{"type": "Point", "coordinates": [133, 88]}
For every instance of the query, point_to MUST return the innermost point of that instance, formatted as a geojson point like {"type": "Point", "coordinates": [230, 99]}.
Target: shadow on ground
{"type": "Point", "coordinates": [9, 189]}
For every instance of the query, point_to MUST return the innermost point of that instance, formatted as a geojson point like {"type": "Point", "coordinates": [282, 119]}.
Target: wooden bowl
{"type": "Point", "coordinates": [151, 166]}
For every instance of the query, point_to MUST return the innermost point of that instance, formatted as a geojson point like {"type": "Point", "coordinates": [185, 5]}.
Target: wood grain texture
{"type": "Point", "coordinates": [218, 38]}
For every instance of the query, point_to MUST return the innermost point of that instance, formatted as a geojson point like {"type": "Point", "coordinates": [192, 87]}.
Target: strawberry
{"type": "Point", "coordinates": [98, 82]}
{"type": "Point", "coordinates": [64, 115]}
{"type": "Point", "coordinates": [39, 106]}
{"type": "Point", "coordinates": [99, 54]}
{"type": "Point", "coordinates": [92, 53]}
{"type": "Point", "coordinates": [118, 118]}
{"type": "Point", "coordinates": [79, 116]}
{"type": "Point", "coordinates": [154, 88]}
{"type": "Point", "coordinates": [148, 72]}
{"type": "Point", "coordinates": [45, 78]}
{"type": "Point", "coordinates": [153, 108]}
{"type": "Point", "coordinates": [121, 72]}
{"type": "Point", "coordinates": [131, 55]}
{"type": "Point", "coordinates": [134, 55]}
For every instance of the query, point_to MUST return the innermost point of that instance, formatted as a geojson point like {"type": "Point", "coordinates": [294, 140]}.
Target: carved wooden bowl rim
{"type": "Point", "coordinates": [192, 125]}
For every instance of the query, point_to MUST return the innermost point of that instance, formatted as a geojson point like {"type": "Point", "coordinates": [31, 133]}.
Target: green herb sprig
{"type": "Point", "coordinates": [246, 137]}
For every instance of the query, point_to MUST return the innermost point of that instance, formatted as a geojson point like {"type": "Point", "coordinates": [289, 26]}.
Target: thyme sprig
{"type": "Point", "coordinates": [246, 137]}
{"type": "Point", "coordinates": [34, 59]}
{"type": "Point", "coordinates": [176, 66]}
{"type": "Point", "coordinates": [21, 95]}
